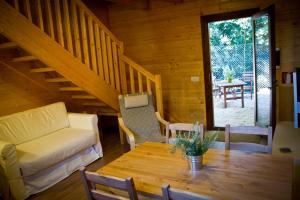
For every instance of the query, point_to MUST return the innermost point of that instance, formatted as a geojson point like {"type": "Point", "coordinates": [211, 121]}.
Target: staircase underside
{"type": "Point", "coordinates": [12, 56]}
{"type": "Point", "coordinates": [58, 65]}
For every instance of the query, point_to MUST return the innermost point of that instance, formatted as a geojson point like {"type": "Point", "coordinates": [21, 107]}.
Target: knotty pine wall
{"type": "Point", "coordinates": [166, 39]}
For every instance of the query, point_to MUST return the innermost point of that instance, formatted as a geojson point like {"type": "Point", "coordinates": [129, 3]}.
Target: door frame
{"type": "Point", "coordinates": [206, 57]}
{"type": "Point", "coordinates": [270, 10]}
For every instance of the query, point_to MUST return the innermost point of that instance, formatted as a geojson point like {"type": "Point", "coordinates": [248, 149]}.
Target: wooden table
{"type": "Point", "coordinates": [225, 175]}
{"type": "Point", "coordinates": [234, 84]}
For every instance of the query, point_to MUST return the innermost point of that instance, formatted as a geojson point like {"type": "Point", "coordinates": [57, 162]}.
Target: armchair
{"type": "Point", "coordinates": [139, 120]}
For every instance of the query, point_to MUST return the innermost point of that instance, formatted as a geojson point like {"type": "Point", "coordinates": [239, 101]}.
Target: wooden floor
{"type": "Point", "coordinates": [71, 188]}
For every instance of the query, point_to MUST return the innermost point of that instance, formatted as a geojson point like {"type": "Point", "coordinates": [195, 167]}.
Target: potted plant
{"type": "Point", "coordinates": [193, 146]}
{"type": "Point", "coordinates": [228, 74]}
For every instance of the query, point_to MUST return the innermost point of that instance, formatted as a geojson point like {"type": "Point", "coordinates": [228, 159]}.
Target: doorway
{"type": "Point", "coordinates": [239, 68]}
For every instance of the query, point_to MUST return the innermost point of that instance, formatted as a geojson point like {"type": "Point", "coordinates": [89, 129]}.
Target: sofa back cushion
{"type": "Point", "coordinates": [28, 125]}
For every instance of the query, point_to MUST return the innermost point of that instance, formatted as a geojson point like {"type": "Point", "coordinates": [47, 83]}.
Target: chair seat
{"type": "Point", "coordinates": [48, 150]}
{"type": "Point", "coordinates": [149, 138]}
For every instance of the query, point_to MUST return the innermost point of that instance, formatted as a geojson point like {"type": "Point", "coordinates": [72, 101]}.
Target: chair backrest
{"type": "Point", "coordinates": [179, 127]}
{"type": "Point", "coordinates": [175, 194]}
{"type": "Point", "coordinates": [90, 179]}
{"type": "Point", "coordinates": [250, 130]}
{"type": "Point", "coordinates": [248, 76]}
{"type": "Point", "coordinates": [139, 116]}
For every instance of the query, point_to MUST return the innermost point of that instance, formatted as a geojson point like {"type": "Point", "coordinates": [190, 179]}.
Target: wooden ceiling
{"type": "Point", "coordinates": [130, 2]}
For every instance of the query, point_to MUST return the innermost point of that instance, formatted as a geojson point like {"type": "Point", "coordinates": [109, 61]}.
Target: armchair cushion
{"type": "Point", "coordinates": [43, 152]}
{"type": "Point", "coordinates": [142, 121]}
{"type": "Point", "coordinates": [136, 101]}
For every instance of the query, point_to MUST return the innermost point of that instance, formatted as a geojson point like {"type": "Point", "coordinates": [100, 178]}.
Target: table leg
{"type": "Point", "coordinates": [242, 93]}
{"type": "Point", "coordinates": [225, 103]}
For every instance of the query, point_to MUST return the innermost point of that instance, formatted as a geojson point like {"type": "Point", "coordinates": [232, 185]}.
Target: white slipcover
{"type": "Point", "coordinates": [43, 152]}
{"type": "Point", "coordinates": [28, 125]}
{"type": "Point", "coordinates": [42, 146]}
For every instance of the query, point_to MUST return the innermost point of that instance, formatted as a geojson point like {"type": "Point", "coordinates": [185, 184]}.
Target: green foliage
{"type": "Point", "coordinates": [228, 74]}
{"type": "Point", "coordinates": [231, 32]}
{"type": "Point", "coordinates": [191, 143]}
{"type": "Point", "coordinates": [231, 45]}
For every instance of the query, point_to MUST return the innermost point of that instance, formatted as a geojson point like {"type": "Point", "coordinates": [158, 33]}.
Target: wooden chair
{"type": "Point", "coordinates": [250, 130]}
{"type": "Point", "coordinates": [179, 127]}
{"type": "Point", "coordinates": [90, 179]}
{"type": "Point", "coordinates": [175, 194]}
{"type": "Point", "coordinates": [139, 120]}
{"type": "Point", "coordinates": [248, 78]}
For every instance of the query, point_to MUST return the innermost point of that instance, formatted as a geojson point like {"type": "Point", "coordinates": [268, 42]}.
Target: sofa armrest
{"type": "Point", "coordinates": [84, 121]}
{"type": "Point", "coordinates": [89, 122]}
{"type": "Point", "coordinates": [8, 160]}
{"type": "Point", "coordinates": [11, 169]}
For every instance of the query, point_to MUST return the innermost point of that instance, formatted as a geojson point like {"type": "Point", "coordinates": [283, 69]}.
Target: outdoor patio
{"type": "Point", "coordinates": [235, 115]}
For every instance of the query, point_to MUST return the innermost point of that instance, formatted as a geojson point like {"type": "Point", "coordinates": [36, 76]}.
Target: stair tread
{"type": "Point", "coordinates": [83, 97]}
{"type": "Point", "coordinates": [108, 114]}
{"type": "Point", "coordinates": [43, 69]}
{"type": "Point", "coordinates": [24, 58]}
{"type": "Point", "coordinates": [71, 89]}
{"type": "Point", "coordinates": [97, 104]}
{"type": "Point", "coordinates": [55, 80]}
{"type": "Point", "coordinates": [8, 45]}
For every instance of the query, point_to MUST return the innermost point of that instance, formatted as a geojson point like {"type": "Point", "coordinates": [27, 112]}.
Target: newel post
{"type": "Point", "coordinates": [158, 91]}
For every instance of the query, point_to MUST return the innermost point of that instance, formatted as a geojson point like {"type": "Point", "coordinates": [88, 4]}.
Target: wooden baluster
{"type": "Point", "coordinates": [27, 9]}
{"type": "Point", "coordinates": [84, 38]}
{"type": "Point", "coordinates": [92, 44]}
{"type": "Point", "coordinates": [104, 56]}
{"type": "Point", "coordinates": [158, 92]}
{"type": "Point", "coordinates": [148, 85]}
{"type": "Point", "coordinates": [67, 26]}
{"type": "Point", "coordinates": [39, 14]}
{"type": "Point", "coordinates": [122, 69]}
{"type": "Point", "coordinates": [98, 51]}
{"type": "Point", "coordinates": [59, 28]}
{"type": "Point", "coordinates": [110, 61]}
{"type": "Point", "coordinates": [49, 18]}
{"type": "Point", "coordinates": [16, 5]}
{"type": "Point", "coordinates": [132, 84]}
{"type": "Point", "coordinates": [116, 65]}
{"type": "Point", "coordinates": [76, 30]}
{"type": "Point", "coordinates": [140, 81]}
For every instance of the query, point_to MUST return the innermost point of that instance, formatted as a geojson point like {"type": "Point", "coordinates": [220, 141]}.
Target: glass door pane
{"type": "Point", "coordinates": [262, 68]}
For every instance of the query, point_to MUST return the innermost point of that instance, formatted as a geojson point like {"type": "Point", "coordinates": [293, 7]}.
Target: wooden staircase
{"type": "Point", "coordinates": [75, 51]}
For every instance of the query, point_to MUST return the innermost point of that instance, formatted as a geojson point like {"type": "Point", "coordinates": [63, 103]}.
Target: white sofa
{"type": "Point", "coordinates": [42, 146]}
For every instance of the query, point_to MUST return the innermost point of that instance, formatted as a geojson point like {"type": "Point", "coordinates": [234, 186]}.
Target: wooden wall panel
{"type": "Point", "coordinates": [100, 9]}
{"type": "Point", "coordinates": [166, 39]}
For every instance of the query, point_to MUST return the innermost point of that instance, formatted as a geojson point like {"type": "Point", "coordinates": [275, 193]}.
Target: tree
{"type": "Point", "coordinates": [231, 44]}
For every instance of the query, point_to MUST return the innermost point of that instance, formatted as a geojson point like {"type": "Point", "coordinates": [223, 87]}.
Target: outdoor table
{"type": "Point", "coordinates": [234, 84]}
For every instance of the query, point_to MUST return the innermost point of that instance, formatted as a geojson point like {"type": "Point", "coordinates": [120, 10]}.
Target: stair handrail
{"type": "Point", "coordinates": [92, 43]}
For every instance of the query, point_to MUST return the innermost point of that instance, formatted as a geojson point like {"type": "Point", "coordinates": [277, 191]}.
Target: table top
{"type": "Point", "coordinates": [234, 83]}
{"type": "Point", "coordinates": [227, 174]}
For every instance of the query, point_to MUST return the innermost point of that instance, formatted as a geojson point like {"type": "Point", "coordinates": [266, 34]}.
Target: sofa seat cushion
{"type": "Point", "coordinates": [48, 150]}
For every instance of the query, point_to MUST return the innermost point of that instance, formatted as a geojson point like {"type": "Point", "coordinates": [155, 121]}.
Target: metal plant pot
{"type": "Point", "coordinates": [195, 162]}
